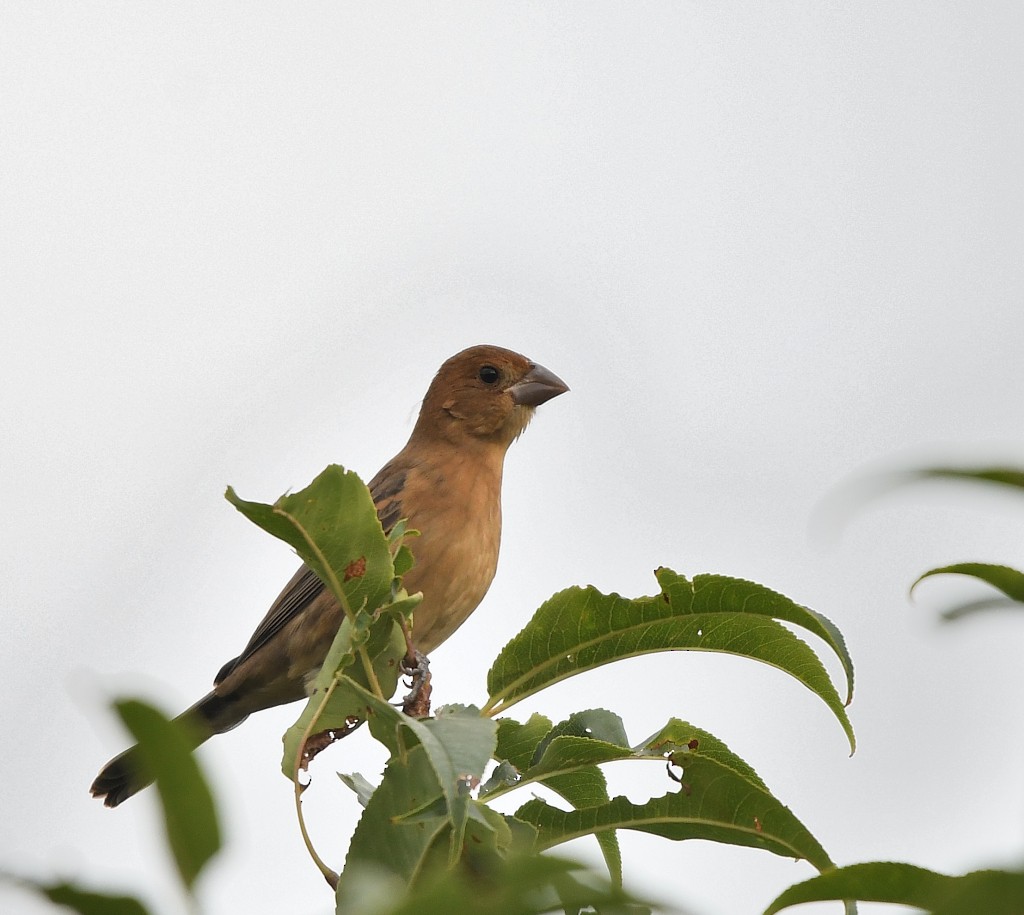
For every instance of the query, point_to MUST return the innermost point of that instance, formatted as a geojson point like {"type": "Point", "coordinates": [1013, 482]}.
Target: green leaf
{"type": "Point", "coordinates": [1003, 476]}
{"type": "Point", "coordinates": [580, 628]}
{"type": "Point", "coordinates": [458, 743]}
{"type": "Point", "coordinates": [513, 885]}
{"type": "Point", "coordinates": [991, 892]}
{"type": "Point", "coordinates": [333, 704]}
{"type": "Point", "coordinates": [165, 752]}
{"type": "Point", "coordinates": [716, 801]}
{"type": "Point", "coordinates": [1003, 578]}
{"type": "Point", "coordinates": [518, 743]}
{"type": "Point", "coordinates": [333, 526]}
{"type": "Point", "coordinates": [581, 784]}
{"type": "Point", "coordinates": [86, 902]}
{"type": "Point", "coordinates": [358, 783]}
{"type": "Point", "coordinates": [383, 838]}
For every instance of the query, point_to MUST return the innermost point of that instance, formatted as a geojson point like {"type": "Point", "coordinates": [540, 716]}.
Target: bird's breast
{"type": "Point", "coordinates": [457, 510]}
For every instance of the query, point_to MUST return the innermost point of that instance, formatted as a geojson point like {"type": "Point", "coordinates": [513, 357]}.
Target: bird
{"type": "Point", "coordinates": [446, 484]}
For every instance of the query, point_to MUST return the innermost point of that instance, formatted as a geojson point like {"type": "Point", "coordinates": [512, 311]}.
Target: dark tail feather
{"type": "Point", "coordinates": [125, 774]}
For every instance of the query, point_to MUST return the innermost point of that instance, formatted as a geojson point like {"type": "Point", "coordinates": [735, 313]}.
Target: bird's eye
{"type": "Point", "coordinates": [489, 374]}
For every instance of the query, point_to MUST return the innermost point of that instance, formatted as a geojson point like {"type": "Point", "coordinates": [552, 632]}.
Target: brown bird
{"type": "Point", "coordinates": [447, 482]}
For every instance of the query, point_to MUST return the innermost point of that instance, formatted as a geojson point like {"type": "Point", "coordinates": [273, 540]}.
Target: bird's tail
{"type": "Point", "coordinates": [126, 775]}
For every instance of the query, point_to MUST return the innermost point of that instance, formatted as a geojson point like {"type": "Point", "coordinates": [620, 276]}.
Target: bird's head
{"type": "Point", "coordinates": [485, 393]}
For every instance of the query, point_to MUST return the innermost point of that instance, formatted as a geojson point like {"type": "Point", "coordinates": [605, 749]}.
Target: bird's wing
{"type": "Point", "coordinates": [305, 585]}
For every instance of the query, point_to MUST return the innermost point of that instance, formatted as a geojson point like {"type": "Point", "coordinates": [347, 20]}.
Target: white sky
{"type": "Point", "coordinates": [767, 245]}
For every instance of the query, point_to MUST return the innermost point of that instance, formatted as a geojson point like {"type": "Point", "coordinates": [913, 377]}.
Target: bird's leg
{"type": "Point", "coordinates": [417, 703]}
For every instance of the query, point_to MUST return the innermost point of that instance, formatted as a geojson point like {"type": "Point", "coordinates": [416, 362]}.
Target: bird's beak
{"type": "Point", "coordinates": [537, 386]}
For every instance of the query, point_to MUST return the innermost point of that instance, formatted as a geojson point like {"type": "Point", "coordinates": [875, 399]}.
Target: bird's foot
{"type": "Point", "coordinates": [417, 703]}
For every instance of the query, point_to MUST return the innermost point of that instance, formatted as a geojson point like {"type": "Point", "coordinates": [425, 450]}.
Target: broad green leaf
{"type": "Point", "coordinates": [383, 838]}
{"type": "Point", "coordinates": [165, 752]}
{"type": "Point", "coordinates": [988, 892]}
{"type": "Point", "coordinates": [596, 724]}
{"type": "Point", "coordinates": [586, 786]}
{"type": "Point", "coordinates": [83, 901]}
{"type": "Point", "coordinates": [458, 743]}
{"type": "Point", "coordinates": [333, 704]}
{"type": "Point", "coordinates": [332, 524]}
{"type": "Point", "coordinates": [580, 628]}
{"type": "Point", "coordinates": [715, 801]}
{"type": "Point", "coordinates": [1003, 578]}
{"type": "Point", "coordinates": [582, 785]}
{"type": "Point", "coordinates": [518, 742]}
{"type": "Point", "coordinates": [515, 885]}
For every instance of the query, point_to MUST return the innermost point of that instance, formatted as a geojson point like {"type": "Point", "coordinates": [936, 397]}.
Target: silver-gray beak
{"type": "Point", "coordinates": [537, 386]}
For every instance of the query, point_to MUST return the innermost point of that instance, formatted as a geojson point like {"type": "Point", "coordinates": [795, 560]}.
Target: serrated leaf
{"type": "Point", "coordinates": [595, 724]}
{"type": "Point", "coordinates": [580, 629]}
{"type": "Point", "coordinates": [333, 526]}
{"type": "Point", "coordinates": [518, 742]}
{"type": "Point", "coordinates": [991, 892]}
{"type": "Point", "coordinates": [381, 837]}
{"type": "Point", "coordinates": [458, 743]}
{"type": "Point", "coordinates": [79, 899]}
{"type": "Point", "coordinates": [586, 786]}
{"type": "Point", "coordinates": [1005, 579]}
{"type": "Point", "coordinates": [165, 752]}
{"type": "Point", "coordinates": [714, 802]}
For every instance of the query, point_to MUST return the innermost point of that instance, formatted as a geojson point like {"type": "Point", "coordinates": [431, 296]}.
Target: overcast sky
{"type": "Point", "coordinates": [768, 245]}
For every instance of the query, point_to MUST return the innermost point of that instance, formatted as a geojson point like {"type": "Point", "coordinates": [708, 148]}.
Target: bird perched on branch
{"type": "Point", "coordinates": [447, 482]}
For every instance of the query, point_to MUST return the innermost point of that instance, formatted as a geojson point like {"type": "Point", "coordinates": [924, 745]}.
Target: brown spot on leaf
{"type": "Point", "coordinates": [757, 825]}
{"type": "Point", "coordinates": [355, 569]}
{"type": "Point", "coordinates": [693, 744]}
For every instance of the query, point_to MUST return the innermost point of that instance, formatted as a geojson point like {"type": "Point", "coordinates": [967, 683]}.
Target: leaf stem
{"type": "Point", "coordinates": [329, 875]}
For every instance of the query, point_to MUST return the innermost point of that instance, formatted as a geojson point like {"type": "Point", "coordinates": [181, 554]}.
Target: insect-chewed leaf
{"type": "Point", "coordinates": [714, 802]}
{"type": "Point", "coordinates": [333, 704]}
{"type": "Point", "coordinates": [333, 526]}
{"type": "Point", "coordinates": [580, 628]}
{"type": "Point", "coordinates": [991, 892]}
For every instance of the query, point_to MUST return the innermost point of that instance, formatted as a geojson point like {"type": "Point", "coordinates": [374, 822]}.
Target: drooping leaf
{"type": "Point", "coordinates": [582, 785]}
{"type": "Point", "coordinates": [333, 705]}
{"type": "Point", "coordinates": [988, 892]}
{"type": "Point", "coordinates": [1005, 579]}
{"type": "Point", "coordinates": [79, 899]}
{"type": "Point", "coordinates": [715, 801]}
{"type": "Point", "coordinates": [580, 628]}
{"type": "Point", "coordinates": [385, 837]}
{"type": "Point", "coordinates": [333, 526]}
{"type": "Point", "coordinates": [458, 743]}
{"type": "Point", "coordinates": [165, 752]}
